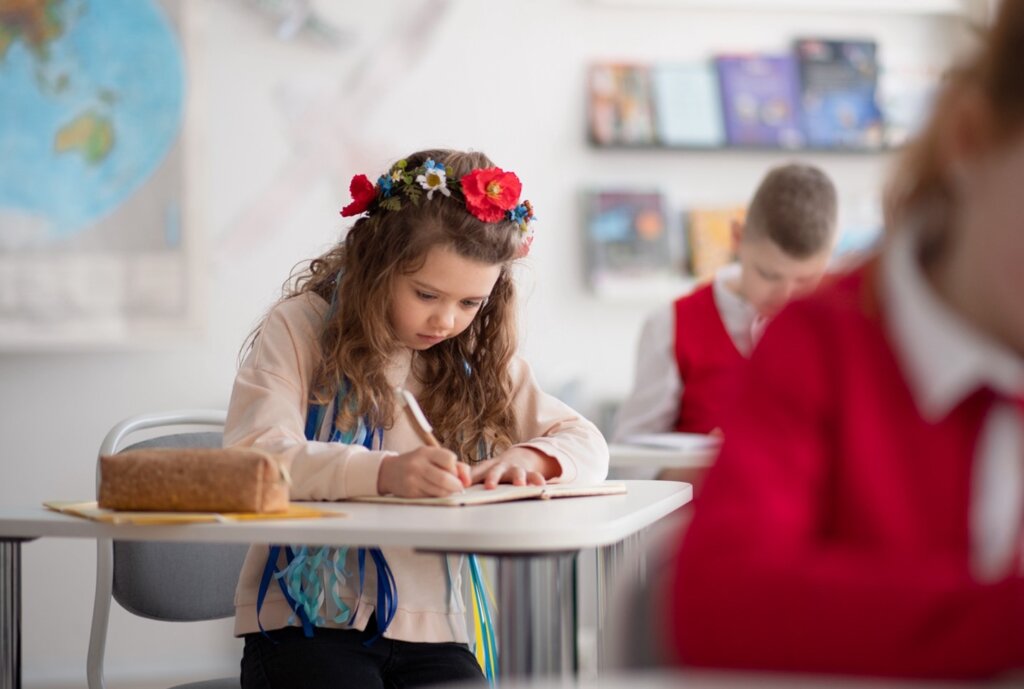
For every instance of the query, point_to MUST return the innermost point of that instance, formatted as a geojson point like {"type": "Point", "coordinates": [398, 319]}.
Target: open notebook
{"type": "Point", "coordinates": [90, 510]}
{"type": "Point", "coordinates": [478, 495]}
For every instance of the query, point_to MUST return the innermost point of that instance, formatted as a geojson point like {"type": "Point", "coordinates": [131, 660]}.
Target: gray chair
{"type": "Point", "coordinates": [176, 582]}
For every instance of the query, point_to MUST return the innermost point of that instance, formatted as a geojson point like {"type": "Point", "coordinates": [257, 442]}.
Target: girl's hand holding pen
{"type": "Point", "coordinates": [426, 472]}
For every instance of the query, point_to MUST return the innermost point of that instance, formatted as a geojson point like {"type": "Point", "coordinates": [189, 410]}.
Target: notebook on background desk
{"type": "Point", "coordinates": [687, 442]}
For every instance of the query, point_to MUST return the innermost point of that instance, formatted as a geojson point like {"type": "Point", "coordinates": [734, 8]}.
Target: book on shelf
{"type": "Point", "coordinates": [478, 495]}
{"type": "Point", "coordinates": [839, 93]}
{"type": "Point", "coordinates": [620, 104]}
{"type": "Point", "coordinates": [760, 100]}
{"type": "Point", "coordinates": [710, 240]}
{"type": "Point", "coordinates": [687, 105]}
{"type": "Point", "coordinates": [628, 244]}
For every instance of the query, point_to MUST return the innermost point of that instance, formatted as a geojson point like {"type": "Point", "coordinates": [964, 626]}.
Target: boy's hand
{"type": "Point", "coordinates": [519, 466]}
{"type": "Point", "coordinates": [426, 472]}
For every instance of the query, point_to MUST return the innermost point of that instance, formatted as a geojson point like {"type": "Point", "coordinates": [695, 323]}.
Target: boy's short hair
{"type": "Point", "coordinates": [795, 207]}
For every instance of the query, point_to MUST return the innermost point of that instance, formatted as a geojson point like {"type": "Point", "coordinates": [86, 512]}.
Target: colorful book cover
{"type": "Point", "coordinates": [838, 96]}
{"type": "Point", "coordinates": [687, 105]}
{"type": "Point", "coordinates": [620, 105]}
{"type": "Point", "coordinates": [628, 240]}
{"type": "Point", "coordinates": [710, 238]}
{"type": "Point", "coordinates": [760, 97]}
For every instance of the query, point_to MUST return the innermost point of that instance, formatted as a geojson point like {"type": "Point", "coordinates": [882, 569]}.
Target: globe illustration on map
{"type": "Point", "coordinates": [93, 94]}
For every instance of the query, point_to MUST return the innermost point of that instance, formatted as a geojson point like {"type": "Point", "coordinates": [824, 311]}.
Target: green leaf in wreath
{"type": "Point", "coordinates": [392, 203]}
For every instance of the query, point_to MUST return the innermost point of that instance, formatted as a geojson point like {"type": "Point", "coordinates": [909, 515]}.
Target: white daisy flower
{"type": "Point", "coordinates": [433, 179]}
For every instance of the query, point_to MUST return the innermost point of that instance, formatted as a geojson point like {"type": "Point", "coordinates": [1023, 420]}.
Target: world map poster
{"type": "Point", "coordinates": [93, 248]}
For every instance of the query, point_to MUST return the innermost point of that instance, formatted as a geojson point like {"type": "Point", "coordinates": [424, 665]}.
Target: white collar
{"type": "Point", "coordinates": [725, 297]}
{"type": "Point", "coordinates": [944, 358]}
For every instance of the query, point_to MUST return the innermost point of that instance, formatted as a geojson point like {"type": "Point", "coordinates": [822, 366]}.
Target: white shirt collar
{"type": "Point", "coordinates": [724, 295]}
{"type": "Point", "coordinates": [944, 358]}
{"type": "Point", "coordinates": [737, 314]}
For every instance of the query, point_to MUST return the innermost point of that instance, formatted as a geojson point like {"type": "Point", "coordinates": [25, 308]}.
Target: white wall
{"type": "Point", "coordinates": [265, 184]}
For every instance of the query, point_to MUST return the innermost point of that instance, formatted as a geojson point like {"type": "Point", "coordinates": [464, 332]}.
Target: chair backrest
{"type": "Point", "coordinates": [162, 581]}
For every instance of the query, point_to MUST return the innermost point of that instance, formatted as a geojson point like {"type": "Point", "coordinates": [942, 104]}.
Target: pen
{"type": "Point", "coordinates": [416, 417]}
{"type": "Point", "coordinates": [419, 422]}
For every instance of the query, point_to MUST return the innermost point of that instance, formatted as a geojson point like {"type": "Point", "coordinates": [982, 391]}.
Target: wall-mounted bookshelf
{"type": "Point", "coordinates": [820, 94]}
{"type": "Point", "coordinates": [700, 167]}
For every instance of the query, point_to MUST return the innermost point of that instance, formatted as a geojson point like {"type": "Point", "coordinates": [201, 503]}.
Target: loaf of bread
{"type": "Point", "coordinates": [193, 480]}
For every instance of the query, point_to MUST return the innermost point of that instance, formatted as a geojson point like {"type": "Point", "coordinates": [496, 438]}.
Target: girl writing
{"type": "Point", "coordinates": [418, 294]}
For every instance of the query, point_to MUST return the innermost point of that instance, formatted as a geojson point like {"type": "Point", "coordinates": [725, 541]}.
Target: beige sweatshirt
{"type": "Point", "coordinates": [268, 411]}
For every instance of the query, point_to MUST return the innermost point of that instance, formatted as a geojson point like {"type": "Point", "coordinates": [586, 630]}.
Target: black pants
{"type": "Point", "coordinates": [337, 659]}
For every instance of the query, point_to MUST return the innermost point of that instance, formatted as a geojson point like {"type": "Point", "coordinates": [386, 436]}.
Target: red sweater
{"type": "Point", "coordinates": [709, 363]}
{"type": "Point", "coordinates": [832, 532]}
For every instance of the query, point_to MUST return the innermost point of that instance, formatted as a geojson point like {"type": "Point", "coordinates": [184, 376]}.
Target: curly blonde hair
{"type": "Point", "coordinates": [467, 389]}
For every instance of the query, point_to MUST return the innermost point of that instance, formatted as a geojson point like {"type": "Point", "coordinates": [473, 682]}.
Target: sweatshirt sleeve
{"type": "Point", "coordinates": [760, 584]}
{"type": "Point", "coordinates": [550, 426]}
{"type": "Point", "coordinates": [269, 402]}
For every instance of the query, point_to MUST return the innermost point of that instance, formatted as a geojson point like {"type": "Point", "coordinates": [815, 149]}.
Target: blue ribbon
{"type": "Point", "coordinates": [483, 609]}
{"type": "Point", "coordinates": [270, 572]}
{"type": "Point", "coordinates": [301, 582]}
{"type": "Point", "coordinates": [301, 579]}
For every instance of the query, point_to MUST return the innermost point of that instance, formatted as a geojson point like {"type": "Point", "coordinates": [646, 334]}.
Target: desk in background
{"type": "Point", "coordinates": [536, 541]}
{"type": "Point", "coordinates": [624, 456]}
{"type": "Point", "coordinates": [652, 451]}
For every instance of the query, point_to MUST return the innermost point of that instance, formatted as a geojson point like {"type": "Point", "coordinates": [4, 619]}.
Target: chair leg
{"type": "Point", "coordinates": [10, 613]}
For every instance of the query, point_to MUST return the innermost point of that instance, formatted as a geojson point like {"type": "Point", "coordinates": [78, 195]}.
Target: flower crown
{"type": "Point", "coordinates": [490, 194]}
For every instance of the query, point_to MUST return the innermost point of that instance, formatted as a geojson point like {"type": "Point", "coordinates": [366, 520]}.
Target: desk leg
{"type": "Point", "coordinates": [10, 614]}
{"type": "Point", "coordinates": [618, 562]}
{"type": "Point", "coordinates": [537, 616]}
{"type": "Point", "coordinates": [631, 574]}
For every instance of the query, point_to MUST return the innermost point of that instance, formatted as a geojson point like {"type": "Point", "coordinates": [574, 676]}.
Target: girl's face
{"type": "Point", "coordinates": [440, 299]}
{"type": "Point", "coordinates": [987, 252]}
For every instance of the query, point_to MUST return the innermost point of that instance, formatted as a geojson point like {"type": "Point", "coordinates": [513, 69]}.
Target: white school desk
{"type": "Point", "coordinates": [536, 541]}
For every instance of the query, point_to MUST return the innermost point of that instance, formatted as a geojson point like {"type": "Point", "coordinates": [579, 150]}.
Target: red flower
{"type": "Point", "coordinates": [490, 192]}
{"type": "Point", "coordinates": [363, 193]}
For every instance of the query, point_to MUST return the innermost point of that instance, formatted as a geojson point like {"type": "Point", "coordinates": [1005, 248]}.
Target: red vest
{"type": "Point", "coordinates": [709, 363]}
{"type": "Point", "coordinates": [832, 533]}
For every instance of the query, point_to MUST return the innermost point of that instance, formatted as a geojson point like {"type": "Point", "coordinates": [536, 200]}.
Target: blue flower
{"type": "Point", "coordinates": [520, 215]}
{"type": "Point", "coordinates": [386, 185]}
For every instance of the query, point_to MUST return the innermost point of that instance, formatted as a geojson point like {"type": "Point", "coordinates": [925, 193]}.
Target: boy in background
{"type": "Point", "coordinates": [691, 353]}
